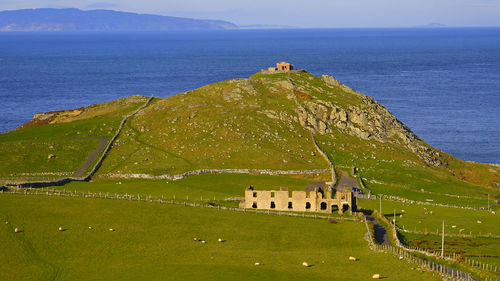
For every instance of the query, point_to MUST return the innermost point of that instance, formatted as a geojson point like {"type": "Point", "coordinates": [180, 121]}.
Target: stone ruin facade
{"type": "Point", "coordinates": [281, 66]}
{"type": "Point", "coordinates": [317, 199]}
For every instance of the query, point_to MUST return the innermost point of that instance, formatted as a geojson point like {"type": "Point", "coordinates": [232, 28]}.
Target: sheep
{"type": "Point", "coordinates": [479, 222]}
{"type": "Point", "coordinates": [353, 259]}
{"type": "Point", "coordinates": [257, 263]}
{"type": "Point", "coordinates": [16, 230]}
{"type": "Point", "coordinates": [90, 228]}
{"type": "Point", "coordinates": [203, 241]}
{"type": "Point", "coordinates": [305, 264]}
{"type": "Point", "coordinates": [453, 226]}
{"type": "Point", "coordinates": [220, 240]}
{"type": "Point", "coordinates": [376, 276]}
{"type": "Point", "coordinates": [61, 229]}
{"type": "Point", "coordinates": [196, 239]}
{"type": "Point", "coordinates": [6, 222]}
{"type": "Point", "coordinates": [400, 257]}
{"type": "Point", "coordinates": [111, 229]}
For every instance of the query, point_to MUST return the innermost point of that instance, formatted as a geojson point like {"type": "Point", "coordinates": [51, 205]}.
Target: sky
{"type": "Point", "coordinates": [300, 13]}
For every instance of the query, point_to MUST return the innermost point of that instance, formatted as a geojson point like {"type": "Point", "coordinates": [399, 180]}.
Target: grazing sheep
{"type": "Point", "coordinates": [479, 222]}
{"type": "Point", "coordinates": [257, 263]}
{"type": "Point", "coordinates": [376, 276]}
{"type": "Point", "coordinates": [353, 259]}
{"type": "Point", "coordinates": [400, 257]}
{"type": "Point", "coordinates": [196, 239]}
{"type": "Point", "coordinates": [305, 264]}
{"type": "Point", "coordinates": [203, 241]}
{"type": "Point", "coordinates": [61, 229]}
{"type": "Point", "coordinates": [453, 226]}
{"type": "Point", "coordinates": [220, 240]}
{"type": "Point", "coordinates": [6, 222]}
{"type": "Point", "coordinates": [111, 229]}
{"type": "Point", "coordinates": [16, 230]}
{"type": "Point", "coordinates": [90, 227]}
{"type": "Point", "coordinates": [493, 212]}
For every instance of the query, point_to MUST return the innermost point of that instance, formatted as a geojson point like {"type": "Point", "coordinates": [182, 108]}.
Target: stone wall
{"type": "Point", "coordinates": [216, 171]}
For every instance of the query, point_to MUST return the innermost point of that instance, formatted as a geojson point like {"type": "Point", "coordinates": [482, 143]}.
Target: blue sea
{"type": "Point", "coordinates": [443, 83]}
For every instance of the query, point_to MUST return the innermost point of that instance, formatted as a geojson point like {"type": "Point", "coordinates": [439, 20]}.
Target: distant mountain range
{"type": "Point", "coordinates": [100, 20]}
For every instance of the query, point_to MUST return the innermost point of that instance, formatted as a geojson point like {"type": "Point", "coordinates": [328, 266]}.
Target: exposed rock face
{"type": "Point", "coordinates": [369, 121]}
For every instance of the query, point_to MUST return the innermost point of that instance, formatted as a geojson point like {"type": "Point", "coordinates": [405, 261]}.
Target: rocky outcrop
{"type": "Point", "coordinates": [369, 121]}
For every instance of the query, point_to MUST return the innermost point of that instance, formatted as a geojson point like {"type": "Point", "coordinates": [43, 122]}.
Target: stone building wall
{"type": "Point", "coordinates": [299, 201]}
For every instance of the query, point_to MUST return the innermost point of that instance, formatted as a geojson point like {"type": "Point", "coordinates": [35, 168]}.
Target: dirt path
{"type": "Point", "coordinates": [346, 182]}
{"type": "Point", "coordinates": [323, 154]}
{"type": "Point", "coordinates": [92, 156]}
{"type": "Point", "coordinates": [380, 233]}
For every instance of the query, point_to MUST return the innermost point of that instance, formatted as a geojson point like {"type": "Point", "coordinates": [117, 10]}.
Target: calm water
{"type": "Point", "coordinates": [443, 83]}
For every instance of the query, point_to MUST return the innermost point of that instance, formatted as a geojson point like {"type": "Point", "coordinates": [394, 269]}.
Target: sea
{"type": "Point", "coordinates": [443, 83]}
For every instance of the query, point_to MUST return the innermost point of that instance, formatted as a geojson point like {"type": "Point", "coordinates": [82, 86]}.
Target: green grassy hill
{"type": "Point", "coordinates": [269, 121]}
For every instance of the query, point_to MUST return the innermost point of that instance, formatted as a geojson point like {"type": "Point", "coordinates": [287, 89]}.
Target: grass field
{"type": "Point", "coordinates": [70, 138]}
{"type": "Point", "coordinates": [208, 186]}
{"type": "Point", "coordinates": [155, 242]}
{"type": "Point", "coordinates": [414, 217]}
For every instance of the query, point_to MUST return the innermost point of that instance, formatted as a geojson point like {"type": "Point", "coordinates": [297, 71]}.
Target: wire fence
{"type": "Point", "coordinates": [436, 254]}
{"type": "Point", "coordinates": [173, 201]}
{"type": "Point", "coordinates": [403, 251]}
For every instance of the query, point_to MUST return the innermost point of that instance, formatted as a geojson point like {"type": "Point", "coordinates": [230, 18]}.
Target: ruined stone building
{"type": "Point", "coordinates": [281, 66]}
{"type": "Point", "coordinates": [317, 197]}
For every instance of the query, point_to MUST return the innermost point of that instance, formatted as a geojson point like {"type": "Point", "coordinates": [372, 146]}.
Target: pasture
{"type": "Point", "coordinates": [153, 241]}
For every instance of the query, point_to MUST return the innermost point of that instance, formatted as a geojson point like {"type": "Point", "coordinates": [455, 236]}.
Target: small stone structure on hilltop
{"type": "Point", "coordinates": [281, 67]}
{"type": "Point", "coordinates": [315, 198]}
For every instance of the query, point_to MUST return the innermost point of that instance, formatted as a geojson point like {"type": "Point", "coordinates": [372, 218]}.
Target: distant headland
{"type": "Point", "coordinates": [100, 20]}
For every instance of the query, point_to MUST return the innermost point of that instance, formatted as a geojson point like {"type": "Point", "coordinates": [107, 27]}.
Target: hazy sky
{"type": "Point", "coordinates": [302, 13]}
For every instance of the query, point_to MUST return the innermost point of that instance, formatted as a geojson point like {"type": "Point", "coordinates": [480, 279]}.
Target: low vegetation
{"type": "Point", "coordinates": [155, 241]}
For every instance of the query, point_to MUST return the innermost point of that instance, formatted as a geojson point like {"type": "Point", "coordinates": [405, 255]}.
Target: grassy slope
{"type": "Point", "coordinates": [155, 242]}
{"type": "Point", "coordinates": [71, 138]}
{"type": "Point", "coordinates": [415, 217]}
{"type": "Point", "coordinates": [217, 126]}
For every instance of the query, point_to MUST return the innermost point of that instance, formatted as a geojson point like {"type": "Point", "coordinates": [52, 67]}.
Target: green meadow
{"type": "Point", "coordinates": [154, 241]}
{"type": "Point", "coordinates": [430, 218]}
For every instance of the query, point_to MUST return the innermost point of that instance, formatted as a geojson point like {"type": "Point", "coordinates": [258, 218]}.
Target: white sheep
{"type": "Point", "coordinates": [220, 240]}
{"type": "Point", "coordinates": [479, 222]}
{"type": "Point", "coordinates": [90, 228]}
{"type": "Point", "coordinates": [111, 229]}
{"type": "Point", "coordinates": [203, 241]}
{"type": "Point", "coordinates": [353, 259]}
{"type": "Point", "coordinates": [453, 226]}
{"type": "Point", "coordinates": [257, 263]}
{"type": "Point", "coordinates": [6, 222]}
{"type": "Point", "coordinates": [16, 230]}
{"type": "Point", "coordinates": [61, 229]}
{"type": "Point", "coordinates": [196, 239]}
{"type": "Point", "coordinates": [376, 276]}
{"type": "Point", "coordinates": [305, 264]}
